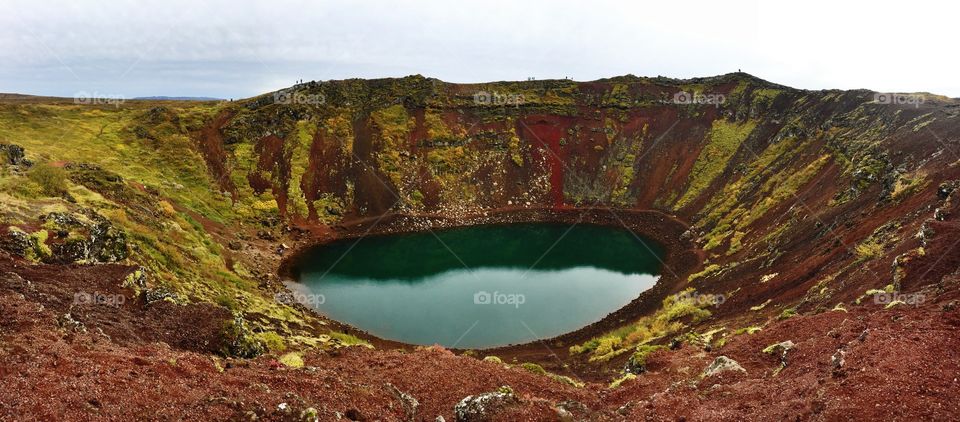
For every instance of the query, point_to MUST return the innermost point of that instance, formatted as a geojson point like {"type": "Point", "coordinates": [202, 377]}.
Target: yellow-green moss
{"type": "Point", "coordinates": [514, 147]}
{"type": "Point", "coordinates": [788, 313]}
{"type": "Point", "coordinates": [437, 130]}
{"type": "Point", "coordinates": [776, 188]}
{"type": "Point", "coordinates": [639, 357]}
{"type": "Point", "coordinates": [708, 270]}
{"type": "Point", "coordinates": [534, 368]}
{"type": "Point", "coordinates": [395, 125]}
{"type": "Point", "coordinates": [765, 96]}
{"type": "Point", "coordinates": [685, 304]}
{"type": "Point", "coordinates": [782, 187]}
{"type": "Point", "coordinates": [760, 306]}
{"type": "Point", "coordinates": [619, 381]}
{"type": "Point", "coordinates": [748, 330]}
{"type": "Point", "coordinates": [350, 340]}
{"type": "Point", "coordinates": [875, 245]}
{"type": "Point", "coordinates": [908, 184]}
{"type": "Point", "coordinates": [272, 341]}
{"type": "Point", "coordinates": [621, 193]}
{"type": "Point", "coordinates": [39, 249]}
{"type": "Point", "coordinates": [869, 249]}
{"type": "Point", "coordinates": [298, 146]}
{"type": "Point", "coordinates": [759, 168]}
{"type": "Point", "coordinates": [292, 360]}
{"type": "Point", "coordinates": [723, 141]}
{"type": "Point", "coordinates": [493, 359]}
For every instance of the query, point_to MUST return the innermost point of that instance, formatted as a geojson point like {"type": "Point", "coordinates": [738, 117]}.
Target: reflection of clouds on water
{"type": "Point", "coordinates": [501, 303]}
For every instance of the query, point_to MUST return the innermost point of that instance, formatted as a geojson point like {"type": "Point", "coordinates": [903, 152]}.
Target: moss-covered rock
{"type": "Point", "coordinates": [240, 340]}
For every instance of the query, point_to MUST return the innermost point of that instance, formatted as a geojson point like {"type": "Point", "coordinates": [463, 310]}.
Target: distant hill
{"type": "Point", "coordinates": [24, 98]}
{"type": "Point", "coordinates": [165, 98]}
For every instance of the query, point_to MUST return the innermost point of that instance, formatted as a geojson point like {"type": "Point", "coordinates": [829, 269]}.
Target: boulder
{"type": "Point", "coordinates": [107, 243]}
{"type": "Point", "coordinates": [564, 415]}
{"type": "Point", "coordinates": [722, 364]}
{"type": "Point", "coordinates": [946, 188]}
{"type": "Point", "coordinates": [14, 155]}
{"type": "Point", "coordinates": [90, 237]}
{"type": "Point", "coordinates": [925, 233]}
{"type": "Point", "coordinates": [781, 349]}
{"type": "Point", "coordinates": [483, 407]}
{"type": "Point", "coordinates": [16, 241]}
{"type": "Point", "coordinates": [410, 404]}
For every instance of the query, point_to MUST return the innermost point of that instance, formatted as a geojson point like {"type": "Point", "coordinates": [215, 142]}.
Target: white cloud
{"type": "Point", "coordinates": [233, 49]}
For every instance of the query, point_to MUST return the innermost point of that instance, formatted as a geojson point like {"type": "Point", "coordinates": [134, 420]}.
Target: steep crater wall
{"type": "Point", "coordinates": [796, 199]}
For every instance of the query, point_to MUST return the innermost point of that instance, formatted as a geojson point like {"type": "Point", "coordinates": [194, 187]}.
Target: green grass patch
{"type": "Point", "coordinates": [723, 141]}
{"type": "Point", "coordinates": [666, 321]}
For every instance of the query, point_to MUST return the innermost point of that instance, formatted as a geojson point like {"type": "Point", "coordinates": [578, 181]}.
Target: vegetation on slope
{"type": "Point", "coordinates": [133, 171]}
{"type": "Point", "coordinates": [723, 141]}
{"type": "Point", "coordinates": [685, 306]}
{"type": "Point", "coordinates": [415, 145]}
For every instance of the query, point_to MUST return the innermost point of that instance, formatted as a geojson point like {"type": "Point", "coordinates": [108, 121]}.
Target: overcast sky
{"type": "Point", "coordinates": [234, 49]}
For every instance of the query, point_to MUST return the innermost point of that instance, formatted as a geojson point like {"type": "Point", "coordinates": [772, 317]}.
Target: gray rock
{"type": "Point", "coordinates": [410, 404]}
{"type": "Point", "coordinates": [107, 243]}
{"type": "Point", "coordinates": [940, 215]}
{"type": "Point", "coordinates": [722, 364]}
{"type": "Point", "coordinates": [93, 239]}
{"type": "Point", "coordinates": [573, 406]}
{"type": "Point", "coordinates": [482, 407]}
{"type": "Point", "coordinates": [564, 415]}
{"type": "Point", "coordinates": [946, 188]}
{"type": "Point", "coordinates": [67, 322]}
{"type": "Point", "coordinates": [14, 155]}
{"type": "Point", "coordinates": [838, 359]}
{"type": "Point", "coordinates": [781, 349]}
{"type": "Point", "coordinates": [925, 234]}
{"type": "Point", "coordinates": [17, 242]}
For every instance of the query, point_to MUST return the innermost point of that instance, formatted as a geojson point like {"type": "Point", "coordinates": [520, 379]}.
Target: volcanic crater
{"type": "Point", "coordinates": [809, 242]}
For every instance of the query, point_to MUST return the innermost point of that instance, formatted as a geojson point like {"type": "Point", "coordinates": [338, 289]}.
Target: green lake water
{"type": "Point", "coordinates": [479, 286]}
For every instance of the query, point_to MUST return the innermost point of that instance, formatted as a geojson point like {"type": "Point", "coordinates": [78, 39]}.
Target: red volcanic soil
{"type": "Point", "coordinates": [210, 141]}
{"type": "Point", "coordinates": [119, 361]}
{"type": "Point", "coordinates": [546, 133]}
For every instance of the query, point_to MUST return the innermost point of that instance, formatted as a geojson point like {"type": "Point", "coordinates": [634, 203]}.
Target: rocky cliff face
{"type": "Point", "coordinates": [786, 191]}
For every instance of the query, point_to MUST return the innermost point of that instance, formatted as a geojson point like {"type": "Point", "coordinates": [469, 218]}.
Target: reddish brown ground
{"type": "Point", "coordinates": [154, 362]}
{"type": "Point", "coordinates": [210, 142]}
